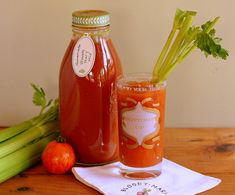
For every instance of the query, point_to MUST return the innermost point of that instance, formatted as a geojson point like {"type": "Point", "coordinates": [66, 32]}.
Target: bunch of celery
{"type": "Point", "coordinates": [183, 39]}
{"type": "Point", "coordinates": [21, 145]}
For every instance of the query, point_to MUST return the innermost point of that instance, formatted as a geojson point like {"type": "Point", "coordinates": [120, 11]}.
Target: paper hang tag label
{"type": "Point", "coordinates": [83, 57]}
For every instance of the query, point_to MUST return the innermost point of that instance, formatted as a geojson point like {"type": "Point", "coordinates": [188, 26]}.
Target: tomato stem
{"type": "Point", "coordinates": [60, 139]}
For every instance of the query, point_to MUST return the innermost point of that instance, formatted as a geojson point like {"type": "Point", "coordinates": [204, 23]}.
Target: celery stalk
{"type": "Point", "coordinates": [163, 52]}
{"type": "Point", "coordinates": [182, 40]}
{"type": "Point", "coordinates": [22, 145]}
{"type": "Point", "coordinates": [23, 158]}
{"type": "Point", "coordinates": [14, 130]}
{"type": "Point", "coordinates": [7, 174]}
{"type": "Point", "coordinates": [175, 46]}
{"type": "Point", "coordinates": [26, 137]}
{"type": "Point", "coordinates": [50, 115]}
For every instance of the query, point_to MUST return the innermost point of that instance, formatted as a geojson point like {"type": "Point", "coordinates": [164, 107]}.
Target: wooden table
{"type": "Point", "coordinates": [209, 151]}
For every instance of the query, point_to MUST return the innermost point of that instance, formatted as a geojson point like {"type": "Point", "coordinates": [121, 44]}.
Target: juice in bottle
{"type": "Point", "coordinates": [87, 90]}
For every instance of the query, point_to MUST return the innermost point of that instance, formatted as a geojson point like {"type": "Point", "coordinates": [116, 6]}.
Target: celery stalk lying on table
{"type": "Point", "coordinates": [21, 145]}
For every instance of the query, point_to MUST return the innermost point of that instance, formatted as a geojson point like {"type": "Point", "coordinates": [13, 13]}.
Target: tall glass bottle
{"type": "Point", "coordinates": [87, 93]}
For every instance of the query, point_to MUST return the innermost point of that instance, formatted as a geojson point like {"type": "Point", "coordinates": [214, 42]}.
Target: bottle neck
{"type": "Point", "coordinates": [102, 31]}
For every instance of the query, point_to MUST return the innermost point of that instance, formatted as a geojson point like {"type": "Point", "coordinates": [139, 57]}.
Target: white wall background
{"type": "Point", "coordinates": [34, 36]}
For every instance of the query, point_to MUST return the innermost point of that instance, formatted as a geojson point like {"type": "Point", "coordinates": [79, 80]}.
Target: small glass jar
{"type": "Point", "coordinates": [87, 90]}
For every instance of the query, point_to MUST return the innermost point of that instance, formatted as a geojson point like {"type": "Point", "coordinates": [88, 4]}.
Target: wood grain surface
{"type": "Point", "coordinates": [209, 151]}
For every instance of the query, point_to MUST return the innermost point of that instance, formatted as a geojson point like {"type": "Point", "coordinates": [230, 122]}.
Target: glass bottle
{"type": "Point", "coordinates": [87, 92]}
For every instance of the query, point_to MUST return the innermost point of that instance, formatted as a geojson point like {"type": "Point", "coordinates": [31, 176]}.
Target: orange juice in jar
{"type": "Point", "coordinates": [141, 107]}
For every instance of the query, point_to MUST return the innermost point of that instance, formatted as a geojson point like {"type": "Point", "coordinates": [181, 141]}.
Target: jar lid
{"type": "Point", "coordinates": [90, 18]}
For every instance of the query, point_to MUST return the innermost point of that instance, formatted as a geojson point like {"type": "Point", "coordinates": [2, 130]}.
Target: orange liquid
{"type": "Point", "coordinates": [88, 108]}
{"type": "Point", "coordinates": [141, 156]}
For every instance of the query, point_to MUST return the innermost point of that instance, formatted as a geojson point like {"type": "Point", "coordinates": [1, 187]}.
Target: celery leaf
{"type": "Point", "coordinates": [39, 98]}
{"type": "Point", "coordinates": [210, 45]}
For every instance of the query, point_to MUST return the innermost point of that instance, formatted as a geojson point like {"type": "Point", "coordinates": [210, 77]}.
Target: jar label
{"type": "Point", "coordinates": [83, 57]}
{"type": "Point", "coordinates": [141, 124]}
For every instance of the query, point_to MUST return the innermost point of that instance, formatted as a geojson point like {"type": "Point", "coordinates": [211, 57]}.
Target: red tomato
{"type": "Point", "coordinates": [58, 157]}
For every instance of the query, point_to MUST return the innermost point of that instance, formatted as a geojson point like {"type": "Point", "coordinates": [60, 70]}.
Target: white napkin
{"type": "Point", "coordinates": [174, 180]}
